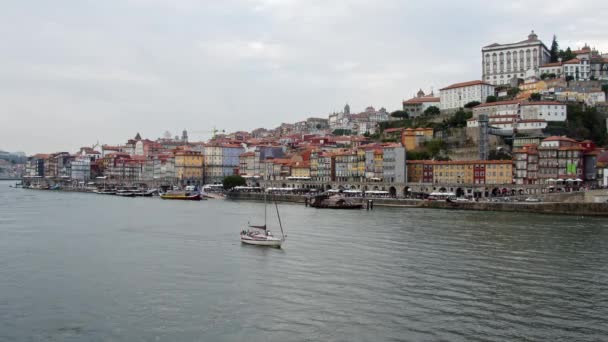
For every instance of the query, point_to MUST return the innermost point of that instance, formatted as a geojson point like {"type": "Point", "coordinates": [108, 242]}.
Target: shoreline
{"type": "Point", "coordinates": [551, 208]}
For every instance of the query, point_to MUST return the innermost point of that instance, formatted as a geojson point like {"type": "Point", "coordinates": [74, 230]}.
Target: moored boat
{"type": "Point", "coordinates": [125, 193]}
{"type": "Point", "coordinates": [325, 201]}
{"type": "Point", "coordinates": [182, 195]}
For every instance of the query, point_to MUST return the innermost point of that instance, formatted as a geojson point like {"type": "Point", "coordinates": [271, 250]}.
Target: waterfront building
{"type": "Point", "coordinates": [503, 62]}
{"type": "Point", "coordinates": [81, 169]}
{"type": "Point", "coordinates": [323, 166]}
{"type": "Point", "coordinates": [415, 171]}
{"type": "Point", "coordinates": [602, 169]}
{"type": "Point", "coordinates": [230, 158]}
{"type": "Point", "coordinates": [394, 164]}
{"type": "Point", "coordinates": [189, 167]}
{"type": "Point", "coordinates": [213, 170]}
{"type": "Point", "coordinates": [462, 171]}
{"type": "Point", "coordinates": [300, 169]}
{"type": "Point", "coordinates": [525, 165]}
{"type": "Point", "coordinates": [459, 94]}
{"type": "Point", "coordinates": [421, 102]}
{"type": "Point", "coordinates": [559, 158]}
{"type": "Point", "coordinates": [247, 164]}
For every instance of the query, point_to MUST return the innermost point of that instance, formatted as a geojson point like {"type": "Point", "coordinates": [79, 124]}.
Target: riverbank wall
{"type": "Point", "coordinates": [553, 208]}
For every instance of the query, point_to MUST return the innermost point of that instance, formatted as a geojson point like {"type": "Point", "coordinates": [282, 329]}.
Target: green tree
{"type": "Point", "coordinates": [554, 51]}
{"type": "Point", "coordinates": [500, 154]}
{"type": "Point", "coordinates": [342, 131]}
{"type": "Point", "coordinates": [472, 104]}
{"type": "Point", "coordinates": [417, 155]}
{"type": "Point", "coordinates": [491, 98]}
{"type": "Point", "coordinates": [535, 97]}
{"type": "Point", "coordinates": [566, 55]}
{"type": "Point", "coordinates": [434, 147]}
{"type": "Point", "coordinates": [605, 88]}
{"type": "Point", "coordinates": [230, 182]}
{"type": "Point", "coordinates": [569, 78]}
{"type": "Point", "coordinates": [459, 119]}
{"type": "Point", "coordinates": [432, 110]}
{"type": "Point", "coordinates": [401, 114]}
{"type": "Point", "coordinates": [512, 92]}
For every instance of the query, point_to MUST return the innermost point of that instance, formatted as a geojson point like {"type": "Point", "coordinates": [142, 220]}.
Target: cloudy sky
{"type": "Point", "coordinates": [76, 72]}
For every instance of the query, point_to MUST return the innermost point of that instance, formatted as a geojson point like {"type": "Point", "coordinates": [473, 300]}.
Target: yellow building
{"type": "Point", "coordinates": [300, 169]}
{"type": "Point", "coordinates": [453, 172]}
{"type": "Point", "coordinates": [378, 163]}
{"type": "Point", "coordinates": [413, 138]}
{"type": "Point", "coordinates": [527, 89]}
{"type": "Point", "coordinates": [189, 165]}
{"type": "Point", "coordinates": [361, 162]}
{"type": "Point", "coordinates": [472, 172]}
{"type": "Point", "coordinates": [499, 171]}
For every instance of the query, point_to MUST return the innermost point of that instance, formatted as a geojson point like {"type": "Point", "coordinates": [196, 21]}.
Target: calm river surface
{"type": "Point", "coordinates": [85, 267]}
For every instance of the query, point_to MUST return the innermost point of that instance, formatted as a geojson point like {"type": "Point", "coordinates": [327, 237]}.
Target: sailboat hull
{"type": "Point", "coordinates": [270, 242]}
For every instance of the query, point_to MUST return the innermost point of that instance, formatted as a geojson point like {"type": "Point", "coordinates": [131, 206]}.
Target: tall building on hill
{"type": "Point", "coordinates": [502, 62]}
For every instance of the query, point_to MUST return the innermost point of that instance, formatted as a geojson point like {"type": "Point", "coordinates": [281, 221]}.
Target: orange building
{"type": "Point", "coordinates": [413, 138]}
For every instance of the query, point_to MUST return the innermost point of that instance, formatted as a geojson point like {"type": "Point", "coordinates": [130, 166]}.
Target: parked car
{"type": "Point", "coordinates": [532, 199]}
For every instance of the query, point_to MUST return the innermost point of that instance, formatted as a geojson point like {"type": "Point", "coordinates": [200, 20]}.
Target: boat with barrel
{"type": "Point", "coordinates": [259, 235]}
{"type": "Point", "coordinates": [333, 201]}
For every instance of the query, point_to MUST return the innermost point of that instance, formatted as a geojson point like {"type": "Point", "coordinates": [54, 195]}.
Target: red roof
{"type": "Point", "coordinates": [391, 130]}
{"type": "Point", "coordinates": [423, 99]}
{"type": "Point", "coordinates": [551, 65]}
{"type": "Point", "coordinates": [499, 103]}
{"type": "Point", "coordinates": [558, 138]}
{"type": "Point", "coordinates": [573, 61]}
{"type": "Point", "coordinates": [531, 120]}
{"type": "Point", "coordinates": [465, 84]}
{"type": "Point", "coordinates": [538, 103]}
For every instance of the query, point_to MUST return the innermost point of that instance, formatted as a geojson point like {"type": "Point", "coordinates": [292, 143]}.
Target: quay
{"type": "Point", "coordinates": [564, 207]}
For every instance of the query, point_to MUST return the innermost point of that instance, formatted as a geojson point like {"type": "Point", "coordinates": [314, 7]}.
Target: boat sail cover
{"type": "Point", "coordinates": [258, 227]}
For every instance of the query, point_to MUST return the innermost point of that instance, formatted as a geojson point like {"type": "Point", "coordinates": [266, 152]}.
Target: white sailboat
{"type": "Point", "coordinates": [260, 235]}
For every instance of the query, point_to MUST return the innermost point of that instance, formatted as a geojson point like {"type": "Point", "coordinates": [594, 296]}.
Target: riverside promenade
{"type": "Point", "coordinates": [555, 208]}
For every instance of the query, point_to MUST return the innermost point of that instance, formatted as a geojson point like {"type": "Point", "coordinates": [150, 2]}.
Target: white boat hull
{"type": "Point", "coordinates": [271, 242]}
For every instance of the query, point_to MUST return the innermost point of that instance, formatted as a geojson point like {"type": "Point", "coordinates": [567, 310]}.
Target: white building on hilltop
{"type": "Point", "coordinates": [459, 94]}
{"type": "Point", "coordinates": [502, 62]}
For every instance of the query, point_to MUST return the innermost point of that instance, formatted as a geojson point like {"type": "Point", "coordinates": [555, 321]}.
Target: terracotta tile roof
{"type": "Point", "coordinates": [502, 116]}
{"type": "Point", "coordinates": [538, 103]}
{"type": "Point", "coordinates": [573, 61]}
{"type": "Point", "coordinates": [424, 99]}
{"type": "Point", "coordinates": [465, 84]}
{"type": "Point", "coordinates": [558, 138]}
{"type": "Point", "coordinates": [499, 103]}
{"type": "Point", "coordinates": [392, 130]}
{"type": "Point", "coordinates": [532, 120]}
{"type": "Point", "coordinates": [554, 64]}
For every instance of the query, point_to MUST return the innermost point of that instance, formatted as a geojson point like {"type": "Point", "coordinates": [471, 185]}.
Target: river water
{"type": "Point", "coordinates": [85, 267]}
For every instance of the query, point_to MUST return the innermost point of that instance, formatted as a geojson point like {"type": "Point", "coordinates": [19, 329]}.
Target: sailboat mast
{"type": "Point", "coordinates": [264, 207]}
{"type": "Point", "coordinates": [279, 217]}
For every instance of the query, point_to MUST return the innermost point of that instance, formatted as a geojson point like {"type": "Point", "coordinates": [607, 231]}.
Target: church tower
{"type": "Point", "coordinates": [347, 109]}
{"type": "Point", "coordinates": [184, 136]}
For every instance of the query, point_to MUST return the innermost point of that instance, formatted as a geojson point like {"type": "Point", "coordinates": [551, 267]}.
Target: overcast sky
{"type": "Point", "coordinates": [76, 72]}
